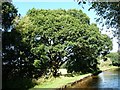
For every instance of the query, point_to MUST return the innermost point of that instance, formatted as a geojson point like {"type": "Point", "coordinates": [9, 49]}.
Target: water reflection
{"type": "Point", "coordinates": [108, 80]}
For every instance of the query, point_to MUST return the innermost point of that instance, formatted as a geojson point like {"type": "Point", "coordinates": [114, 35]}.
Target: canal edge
{"type": "Point", "coordinates": [80, 80]}
{"type": "Point", "coordinates": [73, 83]}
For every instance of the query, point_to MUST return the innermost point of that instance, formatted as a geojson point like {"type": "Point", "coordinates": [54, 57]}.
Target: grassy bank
{"type": "Point", "coordinates": [65, 80]}
{"type": "Point", "coordinates": [60, 81]}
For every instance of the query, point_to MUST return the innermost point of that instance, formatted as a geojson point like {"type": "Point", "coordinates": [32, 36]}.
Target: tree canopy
{"type": "Point", "coordinates": [57, 36]}
{"type": "Point", "coordinates": [108, 12]}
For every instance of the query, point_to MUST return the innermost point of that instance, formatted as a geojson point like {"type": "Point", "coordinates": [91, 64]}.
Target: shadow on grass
{"type": "Point", "coordinates": [18, 83]}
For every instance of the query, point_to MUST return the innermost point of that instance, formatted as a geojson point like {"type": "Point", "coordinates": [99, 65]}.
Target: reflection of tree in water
{"type": "Point", "coordinates": [95, 82]}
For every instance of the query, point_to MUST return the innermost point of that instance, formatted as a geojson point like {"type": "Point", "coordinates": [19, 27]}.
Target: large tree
{"type": "Point", "coordinates": [9, 12]}
{"type": "Point", "coordinates": [16, 69]}
{"type": "Point", "coordinates": [54, 35]}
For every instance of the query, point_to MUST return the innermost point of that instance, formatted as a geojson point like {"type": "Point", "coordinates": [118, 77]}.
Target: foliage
{"type": "Point", "coordinates": [106, 10]}
{"type": "Point", "coordinates": [9, 12]}
{"type": "Point", "coordinates": [20, 83]}
{"type": "Point", "coordinates": [14, 52]}
{"type": "Point", "coordinates": [114, 57]}
{"type": "Point", "coordinates": [57, 36]}
{"type": "Point", "coordinates": [109, 15]}
{"type": "Point", "coordinates": [36, 63]}
{"type": "Point", "coordinates": [87, 52]}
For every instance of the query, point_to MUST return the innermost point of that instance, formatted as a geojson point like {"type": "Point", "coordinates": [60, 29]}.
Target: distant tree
{"type": "Point", "coordinates": [114, 57]}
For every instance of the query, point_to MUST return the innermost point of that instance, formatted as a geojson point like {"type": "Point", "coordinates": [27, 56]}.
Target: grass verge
{"type": "Point", "coordinates": [60, 81]}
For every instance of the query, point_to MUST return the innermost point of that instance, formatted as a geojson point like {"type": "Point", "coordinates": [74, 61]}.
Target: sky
{"type": "Point", "coordinates": [24, 5]}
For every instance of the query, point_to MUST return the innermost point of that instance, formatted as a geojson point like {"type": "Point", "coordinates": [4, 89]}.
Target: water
{"type": "Point", "coordinates": [108, 80]}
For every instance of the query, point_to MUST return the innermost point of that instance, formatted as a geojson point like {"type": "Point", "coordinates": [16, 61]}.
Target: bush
{"type": "Point", "coordinates": [114, 57]}
{"type": "Point", "coordinates": [20, 83]}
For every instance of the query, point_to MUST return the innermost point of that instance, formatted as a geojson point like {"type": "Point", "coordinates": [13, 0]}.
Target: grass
{"type": "Point", "coordinates": [60, 81]}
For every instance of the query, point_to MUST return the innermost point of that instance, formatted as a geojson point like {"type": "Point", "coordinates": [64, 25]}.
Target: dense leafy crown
{"type": "Point", "coordinates": [54, 35]}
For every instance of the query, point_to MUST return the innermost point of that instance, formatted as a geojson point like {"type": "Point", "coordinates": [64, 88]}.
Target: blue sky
{"type": "Point", "coordinates": [24, 5]}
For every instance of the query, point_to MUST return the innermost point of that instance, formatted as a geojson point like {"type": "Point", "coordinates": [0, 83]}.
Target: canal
{"type": "Point", "coordinates": [107, 80]}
